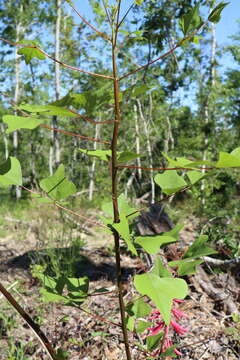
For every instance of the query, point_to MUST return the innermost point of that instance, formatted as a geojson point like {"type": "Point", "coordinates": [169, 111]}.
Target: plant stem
{"type": "Point", "coordinates": [33, 326]}
{"type": "Point", "coordinates": [114, 171]}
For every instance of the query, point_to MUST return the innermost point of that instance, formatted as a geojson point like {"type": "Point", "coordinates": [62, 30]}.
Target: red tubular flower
{"type": "Point", "coordinates": [159, 325]}
{"type": "Point", "coordinates": [178, 328]}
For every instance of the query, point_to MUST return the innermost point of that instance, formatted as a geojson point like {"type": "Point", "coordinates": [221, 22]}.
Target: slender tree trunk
{"type": "Point", "coordinates": [5, 140]}
{"type": "Point", "coordinates": [137, 140]}
{"type": "Point", "coordinates": [93, 167]}
{"type": "Point", "coordinates": [206, 105]}
{"type": "Point", "coordinates": [149, 148]}
{"type": "Point", "coordinates": [55, 151]}
{"type": "Point", "coordinates": [16, 98]}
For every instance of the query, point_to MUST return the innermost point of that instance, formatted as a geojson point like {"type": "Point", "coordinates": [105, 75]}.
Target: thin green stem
{"type": "Point", "coordinates": [114, 175]}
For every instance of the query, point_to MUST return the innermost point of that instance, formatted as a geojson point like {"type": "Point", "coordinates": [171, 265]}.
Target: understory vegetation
{"type": "Point", "coordinates": [119, 181]}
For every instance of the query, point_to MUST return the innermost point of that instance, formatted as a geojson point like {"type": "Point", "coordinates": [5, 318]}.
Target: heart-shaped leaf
{"type": "Point", "coordinates": [161, 291]}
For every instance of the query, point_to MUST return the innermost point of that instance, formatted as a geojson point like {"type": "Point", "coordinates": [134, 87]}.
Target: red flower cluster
{"type": "Point", "coordinates": [161, 326]}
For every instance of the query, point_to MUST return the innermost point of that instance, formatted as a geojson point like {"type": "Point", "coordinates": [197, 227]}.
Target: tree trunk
{"type": "Point", "coordinates": [16, 99]}
{"type": "Point", "coordinates": [206, 105]}
{"type": "Point", "coordinates": [149, 148]}
{"type": "Point", "coordinates": [93, 167]}
{"type": "Point", "coordinates": [55, 151]}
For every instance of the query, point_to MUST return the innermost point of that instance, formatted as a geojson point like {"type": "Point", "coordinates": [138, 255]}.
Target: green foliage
{"type": "Point", "coordinates": [31, 52]}
{"type": "Point", "coordinates": [215, 15]}
{"type": "Point", "coordinates": [20, 122]}
{"type": "Point", "coordinates": [10, 173]}
{"type": "Point", "coordinates": [227, 160]}
{"type": "Point", "coordinates": [159, 269]}
{"type": "Point", "coordinates": [191, 21]}
{"type": "Point", "coordinates": [48, 110]}
{"type": "Point", "coordinates": [69, 291]}
{"type": "Point", "coordinates": [57, 186]}
{"type": "Point", "coordinates": [161, 291]}
{"type": "Point", "coordinates": [153, 341]}
{"type": "Point", "coordinates": [152, 243]}
{"type": "Point", "coordinates": [170, 182]}
{"type": "Point", "coordinates": [123, 229]}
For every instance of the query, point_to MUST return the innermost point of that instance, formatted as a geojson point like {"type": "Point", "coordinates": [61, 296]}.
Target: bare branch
{"type": "Point", "coordinates": [104, 36]}
{"type": "Point", "coordinates": [72, 134]}
{"type": "Point", "coordinates": [56, 60]}
{"type": "Point", "coordinates": [164, 55]}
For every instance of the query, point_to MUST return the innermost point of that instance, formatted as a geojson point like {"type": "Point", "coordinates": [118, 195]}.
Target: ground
{"type": "Point", "coordinates": [93, 332]}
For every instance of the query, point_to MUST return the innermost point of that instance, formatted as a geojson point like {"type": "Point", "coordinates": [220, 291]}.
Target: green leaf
{"type": "Point", "coordinates": [159, 269]}
{"type": "Point", "coordinates": [199, 248]}
{"type": "Point", "coordinates": [10, 172]}
{"type": "Point", "coordinates": [188, 267]}
{"type": "Point", "coordinates": [153, 341]}
{"type": "Point", "coordinates": [170, 182]}
{"type": "Point", "coordinates": [123, 229]}
{"type": "Point", "coordinates": [79, 286]}
{"type": "Point", "coordinates": [138, 2]}
{"type": "Point", "coordinates": [20, 122]}
{"type": "Point", "coordinates": [142, 325]}
{"type": "Point", "coordinates": [161, 291]}
{"type": "Point", "coordinates": [57, 186]}
{"type": "Point", "coordinates": [169, 352]}
{"type": "Point", "coordinates": [138, 308]}
{"type": "Point", "coordinates": [195, 176]}
{"type": "Point", "coordinates": [130, 323]}
{"type": "Point", "coordinates": [175, 231]}
{"type": "Point", "coordinates": [215, 14]}
{"type": "Point", "coordinates": [124, 207]}
{"type": "Point", "coordinates": [185, 267]}
{"type": "Point", "coordinates": [104, 155]}
{"type": "Point", "coordinates": [125, 156]}
{"type": "Point", "coordinates": [227, 160]}
{"type": "Point", "coordinates": [48, 110]}
{"type": "Point", "coordinates": [30, 53]}
{"type": "Point", "coordinates": [48, 296]}
{"type": "Point", "coordinates": [152, 243]}
{"type": "Point", "coordinates": [191, 21]}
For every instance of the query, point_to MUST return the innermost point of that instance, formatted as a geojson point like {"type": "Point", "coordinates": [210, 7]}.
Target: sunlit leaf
{"type": "Point", "coordinates": [48, 110]}
{"type": "Point", "coordinates": [152, 243]}
{"type": "Point", "coordinates": [10, 172]}
{"type": "Point", "coordinates": [191, 21]}
{"type": "Point", "coordinates": [199, 248]}
{"type": "Point", "coordinates": [57, 186]}
{"type": "Point", "coordinates": [30, 53]}
{"type": "Point", "coordinates": [161, 291]}
{"type": "Point", "coordinates": [20, 122]}
{"type": "Point", "coordinates": [104, 155]}
{"type": "Point", "coordinates": [123, 229]}
{"type": "Point", "coordinates": [170, 182]}
{"type": "Point", "coordinates": [215, 14]}
{"type": "Point", "coordinates": [227, 160]}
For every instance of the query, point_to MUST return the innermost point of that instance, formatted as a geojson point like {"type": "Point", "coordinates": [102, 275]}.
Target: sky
{"type": "Point", "coordinates": [224, 29]}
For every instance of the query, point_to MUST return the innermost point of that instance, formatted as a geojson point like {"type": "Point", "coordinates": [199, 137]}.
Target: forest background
{"type": "Point", "coordinates": [185, 105]}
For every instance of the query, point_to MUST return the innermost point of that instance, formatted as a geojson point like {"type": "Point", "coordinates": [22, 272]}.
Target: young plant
{"type": "Point", "coordinates": [161, 287]}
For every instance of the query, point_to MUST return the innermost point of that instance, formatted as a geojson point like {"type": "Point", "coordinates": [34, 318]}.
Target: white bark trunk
{"type": "Point", "coordinates": [16, 98]}
{"type": "Point", "coordinates": [55, 151]}
{"type": "Point", "coordinates": [149, 148]}
{"type": "Point", "coordinates": [206, 105]}
{"type": "Point", "coordinates": [93, 167]}
{"type": "Point", "coordinates": [137, 137]}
